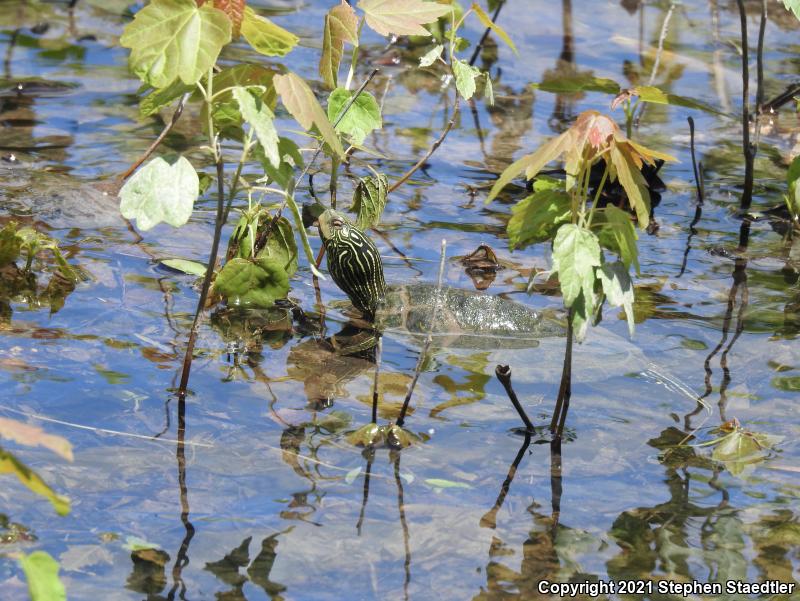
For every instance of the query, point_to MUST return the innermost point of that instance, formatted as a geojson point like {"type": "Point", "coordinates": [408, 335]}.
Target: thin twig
{"type": "Point", "coordinates": [698, 210]}
{"type": "Point", "coordinates": [431, 150]}
{"type": "Point", "coordinates": [485, 35]}
{"type": "Point", "coordinates": [565, 389]}
{"type": "Point", "coordinates": [401, 418]}
{"type": "Point", "coordinates": [167, 128]}
{"type": "Point", "coordinates": [503, 373]}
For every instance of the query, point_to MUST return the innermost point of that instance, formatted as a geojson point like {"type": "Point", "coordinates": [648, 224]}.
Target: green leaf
{"type": "Point", "coordinates": [442, 483]}
{"type": "Point", "coordinates": [369, 200]}
{"type": "Point", "coordinates": [634, 184]}
{"type": "Point", "coordinates": [291, 159]}
{"type": "Point", "coordinates": [158, 99]}
{"type": "Point", "coordinates": [536, 218]}
{"type": "Point", "coordinates": [341, 25]}
{"type": "Point", "coordinates": [431, 57]}
{"type": "Point", "coordinates": [257, 114]}
{"type": "Point", "coordinates": [792, 176]}
{"type": "Point", "coordinates": [363, 116]}
{"type": "Point", "coordinates": [32, 436]}
{"type": "Point", "coordinates": [576, 252]}
{"type": "Point", "coordinates": [401, 17]}
{"type": "Point", "coordinates": [9, 464]}
{"type": "Point", "coordinates": [41, 572]}
{"type": "Point", "coordinates": [301, 103]}
{"type": "Point", "coordinates": [575, 82]}
{"type": "Point", "coordinates": [186, 266]}
{"type": "Point", "coordinates": [487, 22]}
{"type": "Point", "coordinates": [465, 77]}
{"type": "Point", "coordinates": [794, 6]}
{"type": "Point", "coordinates": [742, 448]}
{"type": "Point", "coordinates": [657, 96]}
{"type": "Point", "coordinates": [264, 36]}
{"type": "Point", "coordinates": [281, 246]}
{"type": "Point", "coordinates": [10, 244]}
{"type": "Point", "coordinates": [256, 283]}
{"type": "Point", "coordinates": [171, 39]}
{"type": "Point", "coordinates": [618, 288]}
{"type": "Point", "coordinates": [618, 234]}
{"type": "Point", "coordinates": [160, 192]}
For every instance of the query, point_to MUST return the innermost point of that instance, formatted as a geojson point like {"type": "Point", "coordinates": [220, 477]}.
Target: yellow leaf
{"type": "Point", "coordinates": [401, 17]}
{"type": "Point", "coordinates": [11, 465]}
{"type": "Point", "coordinates": [635, 186]}
{"type": "Point", "coordinates": [487, 22]}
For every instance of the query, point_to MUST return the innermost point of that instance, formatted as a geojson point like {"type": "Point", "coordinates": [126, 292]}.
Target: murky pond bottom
{"type": "Point", "coordinates": [266, 498]}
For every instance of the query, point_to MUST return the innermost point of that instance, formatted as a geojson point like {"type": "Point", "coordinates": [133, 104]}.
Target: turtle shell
{"type": "Point", "coordinates": [465, 319]}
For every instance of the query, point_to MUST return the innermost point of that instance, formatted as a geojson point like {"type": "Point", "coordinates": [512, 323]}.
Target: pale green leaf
{"type": "Point", "coordinates": [363, 116]}
{"type": "Point", "coordinates": [186, 266]}
{"type": "Point", "coordinates": [264, 36]}
{"type": "Point", "coordinates": [160, 192]}
{"type": "Point", "coordinates": [9, 464]}
{"type": "Point", "coordinates": [171, 39]}
{"type": "Point", "coordinates": [401, 17]}
{"type": "Point", "coordinates": [369, 200]}
{"type": "Point", "coordinates": [255, 112]}
{"type": "Point", "coordinates": [576, 252]}
{"type": "Point", "coordinates": [465, 77]}
{"type": "Point", "coordinates": [431, 56]}
{"type": "Point", "coordinates": [487, 22]}
{"type": "Point", "coordinates": [41, 572]}
{"type": "Point", "coordinates": [301, 103]}
{"type": "Point", "coordinates": [618, 288]}
{"type": "Point", "coordinates": [291, 159]}
{"type": "Point", "coordinates": [617, 233]}
{"type": "Point", "coordinates": [256, 283]}
{"type": "Point", "coordinates": [536, 217]}
{"type": "Point", "coordinates": [351, 476]}
{"type": "Point", "coordinates": [32, 436]}
{"type": "Point", "coordinates": [341, 25]}
{"type": "Point", "coordinates": [488, 89]}
{"type": "Point", "coordinates": [443, 483]}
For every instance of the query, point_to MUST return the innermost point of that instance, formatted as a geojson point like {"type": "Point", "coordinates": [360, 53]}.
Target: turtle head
{"type": "Point", "coordinates": [353, 261]}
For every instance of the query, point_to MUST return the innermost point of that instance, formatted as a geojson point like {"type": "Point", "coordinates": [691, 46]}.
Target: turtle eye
{"type": "Point", "coordinates": [337, 223]}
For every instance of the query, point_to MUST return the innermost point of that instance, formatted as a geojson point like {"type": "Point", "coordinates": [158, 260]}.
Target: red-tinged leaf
{"type": "Point", "coordinates": [341, 25]}
{"type": "Point", "coordinates": [300, 101]}
{"type": "Point", "coordinates": [401, 17]}
{"type": "Point", "coordinates": [33, 436]}
{"type": "Point", "coordinates": [235, 11]}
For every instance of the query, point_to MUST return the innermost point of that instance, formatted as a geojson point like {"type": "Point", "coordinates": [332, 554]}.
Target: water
{"type": "Point", "coordinates": [269, 499]}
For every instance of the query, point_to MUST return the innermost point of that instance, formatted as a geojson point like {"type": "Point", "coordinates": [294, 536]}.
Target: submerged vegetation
{"type": "Point", "coordinates": [255, 126]}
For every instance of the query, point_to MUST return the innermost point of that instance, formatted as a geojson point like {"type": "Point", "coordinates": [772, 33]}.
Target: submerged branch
{"type": "Point", "coordinates": [503, 373]}
{"type": "Point", "coordinates": [401, 418]}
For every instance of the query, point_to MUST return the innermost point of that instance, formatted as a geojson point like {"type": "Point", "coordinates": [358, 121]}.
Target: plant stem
{"type": "Point", "coordinates": [503, 373]}
{"type": "Point", "coordinates": [212, 259]}
{"type": "Point", "coordinates": [354, 58]}
{"type": "Point", "coordinates": [597, 196]}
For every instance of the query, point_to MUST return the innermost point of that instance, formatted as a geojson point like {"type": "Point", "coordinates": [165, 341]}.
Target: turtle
{"type": "Point", "coordinates": [465, 319]}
